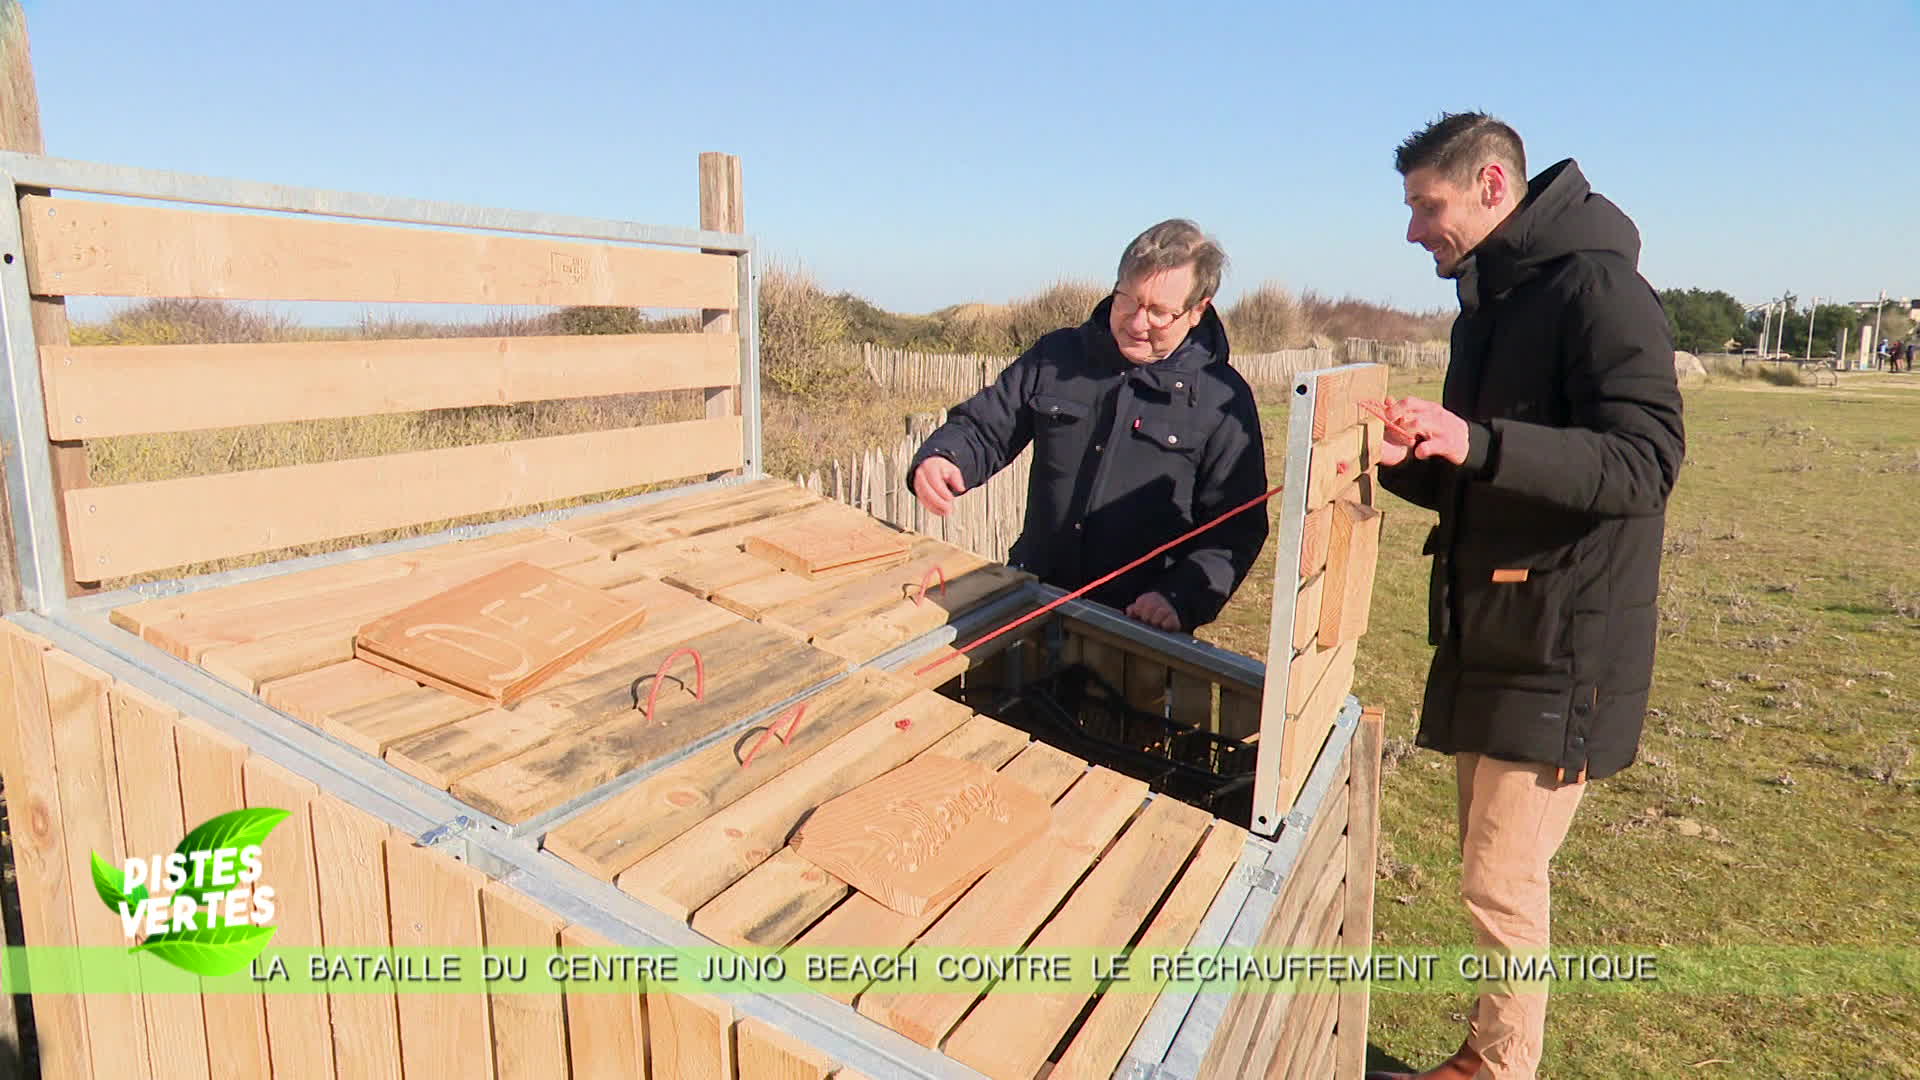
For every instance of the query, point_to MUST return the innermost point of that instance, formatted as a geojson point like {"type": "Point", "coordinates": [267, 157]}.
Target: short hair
{"type": "Point", "coordinates": [1458, 144]}
{"type": "Point", "coordinates": [1170, 245]}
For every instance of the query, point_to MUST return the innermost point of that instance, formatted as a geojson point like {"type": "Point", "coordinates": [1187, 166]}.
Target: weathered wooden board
{"type": "Point", "coordinates": [817, 550]}
{"type": "Point", "coordinates": [1336, 398]}
{"type": "Point", "coordinates": [633, 824]}
{"type": "Point", "coordinates": [915, 837]}
{"type": "Point", "coordinates": [1352, 552]}
{"type": "Point", "coordinates": [499, 637]}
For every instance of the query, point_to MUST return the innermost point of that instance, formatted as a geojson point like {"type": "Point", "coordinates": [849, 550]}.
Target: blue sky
{"type": "Point", "coordinates": [922, 155]}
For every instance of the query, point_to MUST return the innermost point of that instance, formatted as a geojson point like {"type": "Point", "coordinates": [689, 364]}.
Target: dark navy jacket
{"type": "Point", "coordinates": [1547, 555]}
{"type": "Point", "coordinates": [1125, 458]}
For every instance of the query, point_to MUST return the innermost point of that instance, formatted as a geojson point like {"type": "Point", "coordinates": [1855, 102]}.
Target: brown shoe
{"type": "Point", "coordinates": [1463, 1065]}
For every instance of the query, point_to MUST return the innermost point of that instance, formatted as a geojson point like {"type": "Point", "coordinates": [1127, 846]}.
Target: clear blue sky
{"type": "Point", "coordinates": [922, 155]}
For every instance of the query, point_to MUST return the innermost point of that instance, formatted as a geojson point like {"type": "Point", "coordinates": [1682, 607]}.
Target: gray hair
{"type": "Point", "coordinates": [1170, 245]}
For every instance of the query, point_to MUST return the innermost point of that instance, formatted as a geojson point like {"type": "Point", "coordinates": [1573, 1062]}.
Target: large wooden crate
{"type": "Point", "coordinates": [624, 804]}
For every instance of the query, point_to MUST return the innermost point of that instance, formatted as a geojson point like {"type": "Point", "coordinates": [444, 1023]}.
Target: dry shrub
{"type": "Point", "coordinates": [1350, 317]}
{"type": "Point", "coordinates": [1267, 319]}
{"type": "Point", "coordinates": [169, 321]}
{"type": "Point", "coordinates": [799, 326]}
{"type": "Point", "coordinates": [1063, 303]}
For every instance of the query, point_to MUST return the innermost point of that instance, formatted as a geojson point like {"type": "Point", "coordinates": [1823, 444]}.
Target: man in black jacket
{"type": "Point", "coordinates": [1549, 459]}
{"type": "Point", "coordinates": [1140, 431]}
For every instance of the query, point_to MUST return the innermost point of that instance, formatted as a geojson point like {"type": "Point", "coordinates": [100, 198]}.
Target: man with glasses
{"type": "Point", "coordinates": [1140, 431]}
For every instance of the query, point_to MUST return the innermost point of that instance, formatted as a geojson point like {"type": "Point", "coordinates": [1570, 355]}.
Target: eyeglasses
{"type": "Point", "coordinates": [1127, 307]}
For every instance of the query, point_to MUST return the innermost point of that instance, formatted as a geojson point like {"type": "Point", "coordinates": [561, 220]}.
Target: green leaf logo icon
{"type": "Point", "coordinates": [111, 884]}
{"type": "Point", "coordinates": [235, 829]}
{"type": "Point", "coordinates": [215, 951]}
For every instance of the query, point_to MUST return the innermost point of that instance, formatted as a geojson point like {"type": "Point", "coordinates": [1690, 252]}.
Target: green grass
{"type": "Point", "coordinates": [1783, 726]}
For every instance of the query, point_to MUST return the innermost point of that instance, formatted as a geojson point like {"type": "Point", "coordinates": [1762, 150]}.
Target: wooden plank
{"type": "Point", "coordinates": [102, 390]}
{"type": "Point", "coordinates": [887, 589]}
{"type": "Point", "coordinates": [772, 904]}
{"type": "Point", "coordinates": [87, 766]}
{"type": "Point", "coordinates": [191, 636]}
{"type": "Point", "coordinates": [38, 826]}
{"type": "Point", "coordinates": [349, 858]}
{"type": "Point", "coordinates": [1339, 460]}
{"type": "Point", "coordinates": [1239, 713]}
{"type": "Point", "coordinates": [1108, 1030]}
{"type": "Point", "coordinates": [1307, 731]}
{"type": "Point", "coordinates": [130, 528]}
{"type": "Point", "coordinates": [690, 1037]}
{"type": "Point", "coordinates": [1009, 1034]}
{"type": "Point", "coordinates": [1363, 846]}
{"type": "Point", "coordinates": [879, 631]}
{"type": "Point", "coordinates": [607, 1036]}
{"type": "Point", "coordinates": [1077, 630]}
{"type": "Point", "coordinates": [1146, 684]}
{"type": "Point", "coordinates": [1315, 530]}
{"type": "Point", "coordinates": [1335, 399]}
{"type": "Point", "coordinates": [1009, 904]}
{"type": "Point", "coordinates": [299, 1037]}
{"type": "Point", "coordinates": [749, 668]}
{"type": "Point", "coordinates": [1306, 612]}
{"type": "Point", "coordinates": [673, 503]}
{"type": "Point", "coordinates": [312, 696]}
{"type": "Point", "coordinates": [767, 1053]}
{"type": "Point", "coordinates": [1107, 661]}
{"type": "Point", "coordinates": [435, 902]}
{"type": "Point", "coordinates": [916, 836]}
{"type": "Point", "coordinates": [707, 574]}
{"type": "Point", "coordinates": [1305, 672]}
{"type": "Point", "coordinates": [529, 1030]}
{"type": "Point", "coordinates": [149, 783]}
{"type": "Point", "coordinates": [603, 681]}
{"type": "Point", "coordinates": [815, 550]}
{"type": "Point", "coordinates": [699, 864]}
{"type": "Point", "coordinates": [376, 725]}
{"type": "Point", "coordinates": [722, 208]}
{"type": "Point", "coordinates": [210, 785]}
{"type": "Point", "coordinates": [1353, 549]}
{"type": "Point", "coordinates": [1297, 1024]}
{"type": "Point", "coordinates": [864, 923]}
{"type": "Point", "coordinates": [725, 516]}
{"type": "Point", "coordinates": [85, 248]}
{"type": "Point", "coordinates": [622, 830]}
{"type": "Point", "coordinates": [1191, 700]}
{"type": "Point", "coordinates": [499, 637]}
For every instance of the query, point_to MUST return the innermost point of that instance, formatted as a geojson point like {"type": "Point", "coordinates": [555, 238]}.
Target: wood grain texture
{"type": "Point", "coordinates": [767, 1053]}
{"type": "Point", "coordinates": [529, 1030]}
{"type": "Point", "coordinates": [1353, 550]}
{"type": "Point", "coordinates": [435, 902]}
{"type": "Point", "coordinates": [350, 860]}
{"type": "Point", "coordinates": [98, 391]}
{"type": "Point", "coordinates": [772, 904]}
{"type": "Point", "coordinates": [690, 1036]}
{"type": "Point", "coordinates": [1363, 847]}
{"type": "Point", "coordinates": [607, 1036]}
{"type": "Point", "coordinates": [130, 528]}
{"type": "Point", "coordinates": [87, 248]}
{"type": "Point", "coordinates": [299, 1033]}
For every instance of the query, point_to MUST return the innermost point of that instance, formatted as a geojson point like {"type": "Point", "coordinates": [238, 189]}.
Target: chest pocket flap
{"type": "Point", "coordinates": [1063, 410]}
{"type": "Point", "coordinates": [1169, 434]}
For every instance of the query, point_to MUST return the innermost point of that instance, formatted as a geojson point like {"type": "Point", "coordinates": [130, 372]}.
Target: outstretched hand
{"type": "Point", "coordinates": [1425, 429]}
{"type": "Point", "coordinates": [1154, 610]}
{"type": "Point", "coordinates": [936, 483]}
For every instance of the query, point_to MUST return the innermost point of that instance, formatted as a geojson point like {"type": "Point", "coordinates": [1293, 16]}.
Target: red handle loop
{"type": "Point", "coordinates": [920, 597]}
{"type": "Point", "coordinates": [799, 711]}
{"type": "Point", "coordinates": [699, 676]}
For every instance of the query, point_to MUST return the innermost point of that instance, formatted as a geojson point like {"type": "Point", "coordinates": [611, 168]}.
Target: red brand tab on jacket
{"type": "Point", "coordinates": [1136, 423]}
{"type": "Point", "coordinates": [1507, 577]}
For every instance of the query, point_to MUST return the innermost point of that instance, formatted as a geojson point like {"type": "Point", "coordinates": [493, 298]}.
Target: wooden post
{"type": "Point", "coordinates": [20, 131]}
{"type": "Point", "coordinates": [720, 210]}
{"type": "Point", "coordinates": [1356, 930]}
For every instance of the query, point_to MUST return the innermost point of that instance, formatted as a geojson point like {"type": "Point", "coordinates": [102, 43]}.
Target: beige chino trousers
{"type": "Point", "coordinates": [1513, 817]}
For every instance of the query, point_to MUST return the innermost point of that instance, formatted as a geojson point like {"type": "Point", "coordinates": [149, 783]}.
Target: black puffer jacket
{"type": "Point", "coordinates": [1125, 458]}
{"type": "Point", "coordinates": [1547, 555]}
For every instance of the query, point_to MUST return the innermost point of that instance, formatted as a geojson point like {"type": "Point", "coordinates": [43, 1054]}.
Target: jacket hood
{"type": "Point", "coordinates": [1561, 216]}
{"type": "Point", "coordinates": [1206, 343]}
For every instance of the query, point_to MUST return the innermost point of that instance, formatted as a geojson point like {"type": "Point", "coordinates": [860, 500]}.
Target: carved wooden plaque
{"type": "Point", "coordinates": [831, 548]}
{"type": "Point", "coordinates": [916, 837]}
{"type": "Point", "coordinates": [497, 638]}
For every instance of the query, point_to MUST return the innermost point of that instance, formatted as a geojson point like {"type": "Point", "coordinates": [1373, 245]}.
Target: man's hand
{"type": "Point", "coordinates": [1436, 432]}
{"type": "Point", "coordinates": [1153, 609]}
{"type": "Point", "coordinates": [936, 483]}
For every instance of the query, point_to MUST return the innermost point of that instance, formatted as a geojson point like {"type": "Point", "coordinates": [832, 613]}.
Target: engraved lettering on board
{"type": "Point", "coordinates": [919, 829]}
{"type": "Point", "coordinates": [568, 269]}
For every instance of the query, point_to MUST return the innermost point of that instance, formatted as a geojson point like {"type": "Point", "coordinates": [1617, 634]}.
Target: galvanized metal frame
{"type": "Point", "coordinates": [40, 550]}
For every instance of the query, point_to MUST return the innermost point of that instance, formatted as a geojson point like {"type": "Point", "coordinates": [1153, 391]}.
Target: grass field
{"type": "Point", "coordinates": [1777, 796]}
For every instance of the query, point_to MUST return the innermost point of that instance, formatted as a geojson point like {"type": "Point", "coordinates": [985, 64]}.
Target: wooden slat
{"type": "Point", "coordinates": [1306, 612]}
{"type": "Point", "coordinates": [1297, 1025]}
{"type": "Point", "coordinates": [435, 902]}
{"type": "Point", "coordinates": [1192, 700]}
{"type": "Point", "coordinates": [606, 1031]}
{"type": "Point", "coordinates": [678, 503]}
{"type": "Point", "coordinates": [772, 904]}
{"type": "Point", "coordinates": [749, 668]}
{"type": "Point", "coordinates": [622, 830]}
{"type": "Point", "coordinates": [1004, 908]}
{"type": "Point", "coordinates": [376, 725]}
{"type": "Point", "coordinates": [349, 857]}
{"type": "Point", "coordinates": [1146, 685]}
{"type": "Point", "coordinates": [529, 1030]}
{"type": "Point", "coordinates": [1239, 713]}
{"type": "Point", "coordinates": [1314, 531]}
{"type": "Point", "coordinates": [1334, 400]}
{"type": "Point", "coordinates": [46, 892]}
{"type": "Point", "coordinates": [118, 1025]}
{"type": "Point", "coordinates": [101, 390]}
{"type": "Point", "coordinates": [690, 1037]}
{"type": "Point", "coordinates": [130, 528]}
{"type": "Point", "coordinates": [889, 589]}
{"type": "Point", "coordinates": [313, 696]}
{"type": "Point", "coordinates": [1109, 1029]}
{"type": "Point", "coordinates": [1338, 461]}
{"type": "Point", "coordinates": [722, 209]}
{"type": "Point", "coordinates": [210, 785]}
{"type": "Point", "coordinates": [1363, 846]}
{"type": "Point", "coordinates": [299, 1038]}
{"type": "Point", "coordinates": [767, 1053]}
{"type": "Point", "coordinates": [1082, 630]}
{"type": "Point", "coordinates": [85, 248]}
{"type": "Point", "coordinates": [1307, 730]}
{"type": "Point", "coordinates": [149, 780]}
{"type": "Point", "coordinates": [1352, 550]}
{"type": "Point", "coordinates": [1009, 1035]}
{"type": "Point", "coordinates": [1305, 672]}
{"type": "Point", "coordinates": [725, 516]}
{"type": "Point", "coordinates": [700, 863]}
{"type": "Point", "coordinates": [708, 573]}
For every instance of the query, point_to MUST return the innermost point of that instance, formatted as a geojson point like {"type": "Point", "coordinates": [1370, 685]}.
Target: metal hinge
{"type": "Point", "coordinates": [1297, 819]}
{"type": "Point", "coordinates": [153, 590]}
{"type": "Point", "coordinates": [1145, 1070]}
{"type": "Point", "coordinates": [446, 831]}
{"type": "Point", "coordinates": [1259, 877]}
